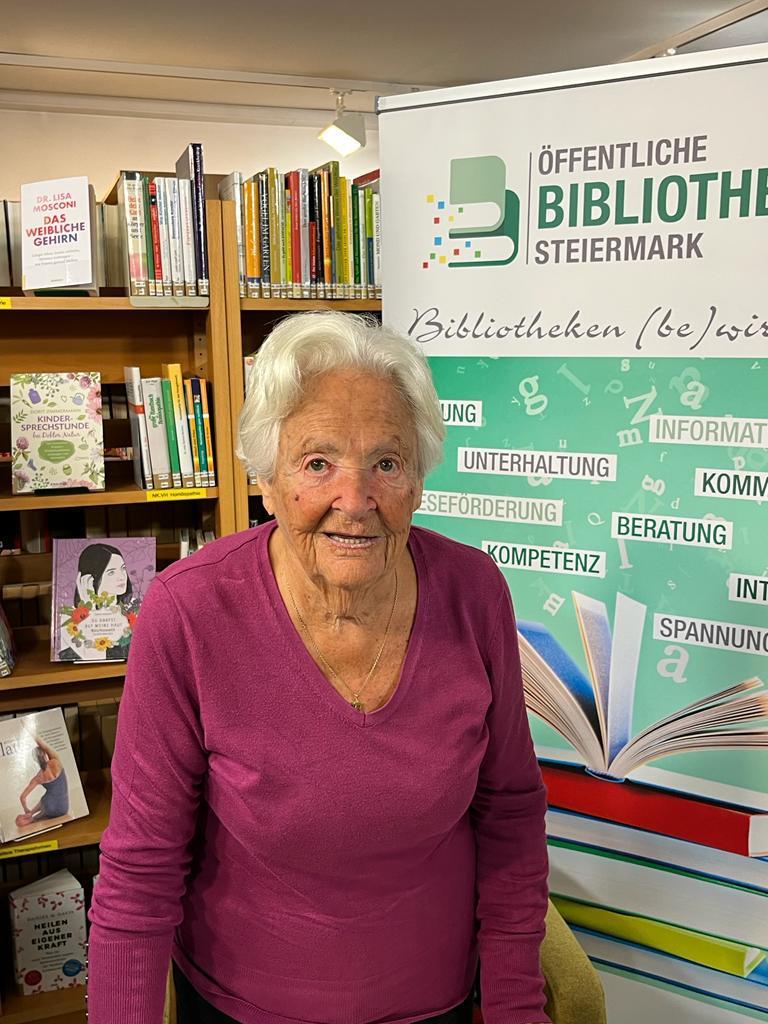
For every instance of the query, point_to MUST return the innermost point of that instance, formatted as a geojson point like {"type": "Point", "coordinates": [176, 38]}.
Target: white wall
{"type": "Point", "coordinates": [37, 146]}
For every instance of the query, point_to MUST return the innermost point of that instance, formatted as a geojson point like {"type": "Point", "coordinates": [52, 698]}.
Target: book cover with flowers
{"type": "Point", "coordinates": [98, 587]}
{"type": "Point", "coordinates": [48, 922]}
{"type": "Point", "coordinates": [57, 437]}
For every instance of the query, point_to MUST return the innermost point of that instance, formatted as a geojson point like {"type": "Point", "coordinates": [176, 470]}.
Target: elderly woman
{"type": "Point", "coordinates": [326, 803]}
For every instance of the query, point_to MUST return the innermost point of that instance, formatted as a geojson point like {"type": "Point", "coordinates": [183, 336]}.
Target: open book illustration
{"type": "Point", "coordinates": [594, 712]}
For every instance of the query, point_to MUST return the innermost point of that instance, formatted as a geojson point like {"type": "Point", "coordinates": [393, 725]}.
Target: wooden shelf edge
{"type": "Point", "coordinates": [46, 1008]}
{"type": "Point", "coordinates": [38, 698]}
{"type": "Point", "coordinates": [298, 305]}
{"type": "Point", "coordinates": [102, 303]}
{"type": "Point", "coordinates": [169, 302]}
{"type": "Point", "coordinates": [85, 831]}
{"type": "Point", "coordinates": [59, 674]}
{"type": "Point", "coordinates": [128, 495]}
{"type": "Point", "coordinates": [34, 668]}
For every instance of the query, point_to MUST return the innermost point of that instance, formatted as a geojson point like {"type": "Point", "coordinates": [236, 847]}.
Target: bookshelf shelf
{"type": "Point", "coordinates": [124, 494]}
{"type": "Point", "coordinates": [299, 305]}
{"type": "Point", "coordinates": [66, 1006]}
{"type": "Point", "coordinates": [95, 303]}
{"type": "Point", "coordinates": [34, 667]}
{"type": "Point", "coordinates": [37, 568]}
{"type": "Point", "coordinates": [63, 303]}
{"type": "Point", "coordinates": [57, 694]}
{"type": "Point", "coordinates": [42, 334]}
{"type": "Point", "coordinates": [129, 332]}
{"type": "Point", "coordinates": [82, 832]}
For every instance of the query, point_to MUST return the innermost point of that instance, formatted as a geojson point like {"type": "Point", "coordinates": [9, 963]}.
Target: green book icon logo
{"type": "Point", "coordinates": [483, 179]}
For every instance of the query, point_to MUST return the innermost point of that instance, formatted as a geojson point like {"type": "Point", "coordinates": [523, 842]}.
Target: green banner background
{"type": "Point", "coordinates": [589, 402]}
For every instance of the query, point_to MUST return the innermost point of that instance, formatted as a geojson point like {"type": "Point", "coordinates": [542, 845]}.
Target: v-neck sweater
{"type": "Point", "coordinates": [304, 862]}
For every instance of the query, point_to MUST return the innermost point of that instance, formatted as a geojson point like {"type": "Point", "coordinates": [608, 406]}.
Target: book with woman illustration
{"type": "Point", "coordinates": [98, 587]}
{"type": "Point", "coordinates": [40, 788]}
{"type": "Point", "coordinates": [593, 711]}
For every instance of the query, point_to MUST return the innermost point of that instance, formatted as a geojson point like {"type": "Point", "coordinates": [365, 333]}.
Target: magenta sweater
{"type": "Point", "coordinates": [304, 862]}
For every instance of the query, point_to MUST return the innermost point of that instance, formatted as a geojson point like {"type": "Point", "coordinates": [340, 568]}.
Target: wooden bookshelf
{"type": "Point", "coordinates": [107, 333]}
{"type": "Point", "coordinates": [248, 323]}
{"type": "Point", "coordinates": [56, 694]}
{"type": "Point", "coordinates": [14, 300]}
{"type": "Point", "coordinates": [35, 668]}
{"type": "Point", "coordinates": [122, 494]}
{"type": "Point", "coordinates": [27, 567]}
{"type": "Point", "coordinates": [66, 1006]}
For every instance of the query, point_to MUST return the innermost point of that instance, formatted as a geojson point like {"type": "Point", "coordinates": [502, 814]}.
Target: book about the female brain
{"type": "Point", "coordinates": [57, 437]}
{"type": "Point", "coordinates": [98, 587]}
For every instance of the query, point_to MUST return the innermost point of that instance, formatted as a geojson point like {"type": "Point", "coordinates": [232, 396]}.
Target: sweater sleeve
{"type": "Point", "coordinates": [157, 773]}
{"type": "Point", "coordinates": [508, 819]}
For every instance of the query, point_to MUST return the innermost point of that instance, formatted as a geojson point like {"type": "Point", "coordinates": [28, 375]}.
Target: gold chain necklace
{"type": "Point", "coordinates": [356, 702]}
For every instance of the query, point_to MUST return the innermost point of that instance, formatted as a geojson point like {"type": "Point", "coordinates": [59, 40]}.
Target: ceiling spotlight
{"type": "Point", "coordinates": [670, 51]}
{"type": "Point", "coordinates": [346, 133]}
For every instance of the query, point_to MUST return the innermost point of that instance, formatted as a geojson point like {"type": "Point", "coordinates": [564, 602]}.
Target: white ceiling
{"type": "Point", "coordinates": [398, 41]}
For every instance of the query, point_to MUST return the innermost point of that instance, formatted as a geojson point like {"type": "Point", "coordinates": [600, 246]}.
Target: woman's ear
{"type": "Point", "coordinates": [84, 585]}
{"type": "Point", "coordinates": [266, 495]}
{"type": "Point", "coordinates": [418, 493]}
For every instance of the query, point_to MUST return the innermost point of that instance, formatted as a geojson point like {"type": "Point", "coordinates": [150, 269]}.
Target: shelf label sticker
{"type": "Point", "coordinates": [177, 494]}
{"type": "Point", "coordinates": [25, 849]}
{"type": "Point", "coordinates": [6, 302]}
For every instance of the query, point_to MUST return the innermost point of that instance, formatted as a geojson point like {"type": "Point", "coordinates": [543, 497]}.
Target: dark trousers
{"type": "Point", "coordinates": [191, 1008]}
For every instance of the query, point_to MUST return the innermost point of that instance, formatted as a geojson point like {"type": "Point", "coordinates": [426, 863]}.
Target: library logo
{"type": "Point", "coordinates": [459, 240]}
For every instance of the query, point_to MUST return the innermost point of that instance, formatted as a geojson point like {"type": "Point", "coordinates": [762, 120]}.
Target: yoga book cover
{"type": "Point", "coordinates": [40, 787]}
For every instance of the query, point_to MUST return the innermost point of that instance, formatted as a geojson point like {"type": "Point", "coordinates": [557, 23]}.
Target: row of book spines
{"type": "Point", "coordinates": [162, 221]}
{"type": "Point", "coordinates": [307, 234]}
{"type": "Point", "coordinates": [156, 223]}
{"type": "Point", "coordinates": [171, 422]}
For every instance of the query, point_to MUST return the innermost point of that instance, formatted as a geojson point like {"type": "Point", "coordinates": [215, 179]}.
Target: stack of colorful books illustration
{"type": "Point", "coordinates": [662, 875]}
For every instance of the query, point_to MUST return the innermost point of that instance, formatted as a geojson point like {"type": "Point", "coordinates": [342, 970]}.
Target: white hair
{"type": "Point", "coordinates": [305, 345]}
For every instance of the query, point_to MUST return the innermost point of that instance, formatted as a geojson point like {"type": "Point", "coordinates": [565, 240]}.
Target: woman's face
{"type": "Point", "coordinates": [346, 484]}
{"type": "Point", "coordinates": [114, 579]}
